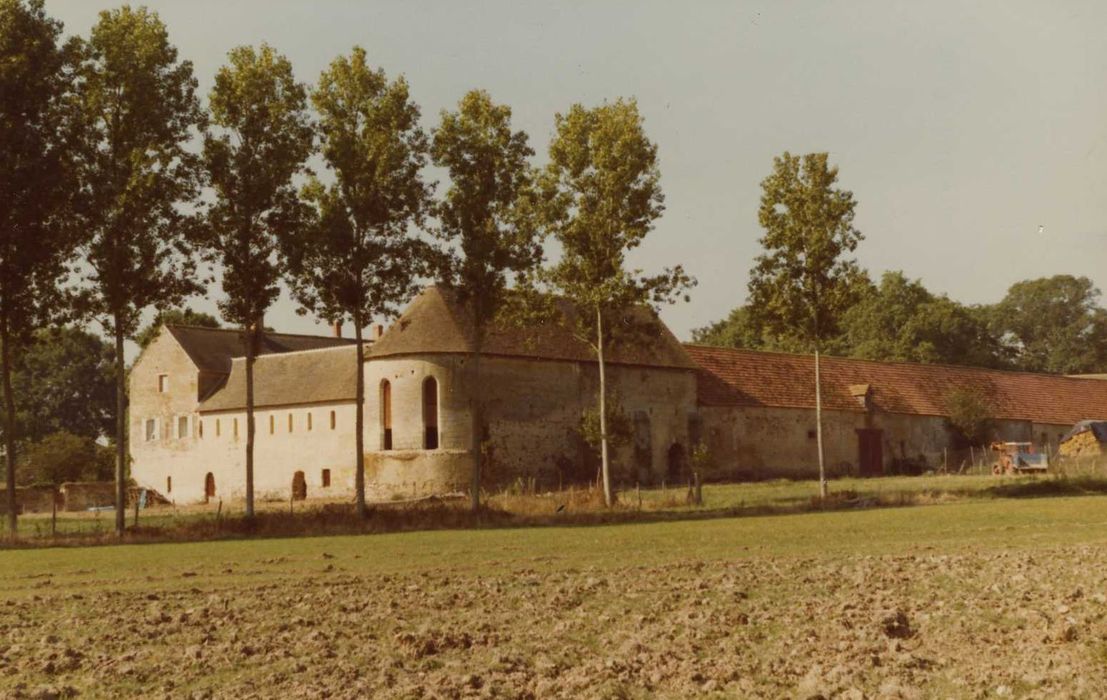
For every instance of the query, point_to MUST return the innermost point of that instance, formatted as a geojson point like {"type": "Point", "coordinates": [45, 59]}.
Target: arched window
{"type": "Point", "coordinates": [430, 414]}
{"type": "Point", "coordinates": [386, 415]}
{"type": "Point", "coordinates": [209, 487]}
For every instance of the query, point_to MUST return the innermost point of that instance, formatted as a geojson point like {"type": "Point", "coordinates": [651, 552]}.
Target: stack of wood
{"type": "Point", "coordinates": [1085, 443]}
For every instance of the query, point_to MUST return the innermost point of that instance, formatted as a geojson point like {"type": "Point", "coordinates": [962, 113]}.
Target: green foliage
{"type": "Point", "coordinates": [36, 190]}
{"type": "Point", "coordinates": [902, 321]}
{"type": "Point", "coordinates": [804, 281]}
{"type": "Point", "coordinates": [66, 380]}
{"type": "Point", "coordinates": [489, 213]}
{"type": "Point", "coordinates": [139, 113]}
{"type": "Point", "coordinates": [182, 317]}
{"type": "Point", "coordinates": [620, 427]}
{"type": "Point", "coordinates": [1053, 324]}
{"type": "Point", "coordinates": [703, 462]}
{"type": "Point", "coordinates": [601, 196]}
{"type": "Point", "coordinates": [970, 415]}
{"type": "Point", "coordinates": [63, 456]}
{"type": "Point", "coordinates": [358, 258]}
{"type": "Point", "coordinates": [262, 140]}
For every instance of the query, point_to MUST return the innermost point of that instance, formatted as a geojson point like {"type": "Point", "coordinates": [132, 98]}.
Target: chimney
{"type": "Point", "coordinates": [337, 328]}
{"type": "Point", "coordinates": [378, 331]}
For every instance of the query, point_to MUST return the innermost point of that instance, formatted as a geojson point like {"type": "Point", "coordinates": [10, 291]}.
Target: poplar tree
{"type": "Point", "coordinates": [360, 259]}
{"type": "Point", "coordinates": [138, 114]}
{"type": "Point", "coordinates": [35, 190]}
{"type": "Point", "coordinates": [488, 215]}
{"type": "Point", "coordinates": [603, 193]}
{"type": "Point", "coordinates": [262, 140]}
{"type": "Point", "coordinates": [805, 280]}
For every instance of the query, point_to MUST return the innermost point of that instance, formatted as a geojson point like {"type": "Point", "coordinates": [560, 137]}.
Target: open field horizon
{"type": "Point", "coordinates": [1003, 598]}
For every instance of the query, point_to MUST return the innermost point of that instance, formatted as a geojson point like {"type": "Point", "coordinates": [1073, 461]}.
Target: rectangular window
{"type": "Point", "coordinates": [200, 429]}
{"type": "Point", "coordinates": [272, 424]}
{"type": "Point", "coordinates": [309, 420]}
{"type": "Point", "coordinates": [333, 420]}
{"type": "Point", "coordinates": [235, 427]}
{"type": "Point", "coordinates": [326, 478]}
{"type": "Point", "coordinates": [182, 427]}
{"type": "Point", "coordinates": [151, 429]}
{"type": "Point", "coordinates": [290, 422]}
{"type": "Point", "coordinates": [163, 383]}
{"type": "Point", "coordinates": [169, 484]}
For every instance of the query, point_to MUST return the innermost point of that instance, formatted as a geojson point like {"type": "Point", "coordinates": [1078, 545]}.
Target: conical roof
{"type": "Point", "coordinates": [436, 323]}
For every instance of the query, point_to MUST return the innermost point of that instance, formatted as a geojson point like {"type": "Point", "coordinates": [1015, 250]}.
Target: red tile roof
{"type": "Point", "coordinates": [733, 377]}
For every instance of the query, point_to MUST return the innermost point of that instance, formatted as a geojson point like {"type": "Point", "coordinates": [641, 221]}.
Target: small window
{"type": "Point", "coordinates": [290, 422]}
{"type": "Point", "coordinates": [218, 427]}
{"type": "Point", "coordinates": [169, 484]}
{"type": "Point", "coordinates": [430, 413]}
{"type": "Point", "coordinates": [333, 420]}
{"type": "Point", "coordinates": [386, 415]}
{"type": "Point", "coordinates": [234, 427]}
{"type": "Point", "coordinates": [200, 429]}
{"type": "Point", "coordinates": [272, 424]}
{"type": "Point", "coordinates": [309, 420]}
{"type": "Point", "coordinates": [151, 429]}
{"type": "Point", "coordinates": [811, 435]}
{"type": "Point", "coordinates": [326, 478]}
{"type": "Point", "coordinates": [182, 427]}
{"type": "Point", "coordinates": [163, 383]}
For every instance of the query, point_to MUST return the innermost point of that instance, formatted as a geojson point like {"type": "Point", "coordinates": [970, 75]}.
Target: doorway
{"type": "Point", "coordinates": [299, 486]}
{"type": "Point", "coordinates": [676, 468]}
{"type": "Point", "coordinates": [209, 487]}
{"type": "Point", "coordinates": [870, 452]}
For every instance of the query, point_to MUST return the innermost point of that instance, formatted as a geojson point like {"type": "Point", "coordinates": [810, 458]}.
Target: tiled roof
{"type": "Point", "coordinates": [733, 377]}
{"type": "Point", "coordinates": [212, 348]}
{"type": "Point", "coordinates": [435, 323]}
{"type": "Point", "coordinates": [287, 379]}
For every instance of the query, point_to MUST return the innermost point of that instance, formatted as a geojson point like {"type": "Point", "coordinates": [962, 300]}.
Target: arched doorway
{"type": "Point", "coordinates": [676, 462]}
{"type": "Point", "coordinates": [299, 486]}
{"type": "Point", "coordinates": [209, 487]}
{"type": "Point", "coordinates": [386, 415]}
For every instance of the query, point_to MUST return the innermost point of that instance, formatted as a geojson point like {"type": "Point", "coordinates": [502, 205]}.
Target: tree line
{"type": "Point", "coordinates": [122, 190]}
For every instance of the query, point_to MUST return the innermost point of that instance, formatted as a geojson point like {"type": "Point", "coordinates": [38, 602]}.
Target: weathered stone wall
{"type": "Point", "coordinates": [532, 411]}
{"type": "Point", "coordinates": [82, 495]}
{"type": "Point", "coordinates": [760, 442]}
{"type": "Point", "coordinates": [29, 499]}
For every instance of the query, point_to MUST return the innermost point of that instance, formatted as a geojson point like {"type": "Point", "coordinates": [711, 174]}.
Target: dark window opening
{"type": "Point", "coordinates": [169, 484]}
{"type": "Point", "coordinates": [386, 415]}
{"type": "Point", "coordinates": [430, 414]}
{"type": "Point", "coordinates": [326, 478]}
{"type": "Point", "coordinates": [209, 487]}
{"type": "Point", "coordinates": [299, 486]}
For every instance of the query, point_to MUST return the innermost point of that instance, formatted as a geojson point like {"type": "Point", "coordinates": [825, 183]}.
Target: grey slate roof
{"type": "Point", "coordinates": [213, 348]}
{"type": "Point", "coordinates": [292, 378]}
{"type": "Point", "coordinates": [435, 323]}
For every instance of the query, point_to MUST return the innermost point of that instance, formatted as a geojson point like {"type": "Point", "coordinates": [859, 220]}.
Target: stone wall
{"type": "Point", "coordinates": [532, 412]}
{"type": "Point", "coordinates": [762, 442]}
{"type": "Point", "coordinates": [29, 499]}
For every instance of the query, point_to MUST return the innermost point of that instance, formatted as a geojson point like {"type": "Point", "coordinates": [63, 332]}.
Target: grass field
{"type": "Point", "coordinates": [978, 598]}
{"type": "Point", "coordinates": [580, 507]}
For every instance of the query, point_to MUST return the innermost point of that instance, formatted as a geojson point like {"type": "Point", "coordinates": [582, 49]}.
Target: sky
{"type": "Point", "coordinates": [960, 128]}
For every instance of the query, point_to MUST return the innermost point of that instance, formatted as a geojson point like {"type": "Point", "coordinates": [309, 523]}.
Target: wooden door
{"type": "Point", "coordinates": [870, 451]}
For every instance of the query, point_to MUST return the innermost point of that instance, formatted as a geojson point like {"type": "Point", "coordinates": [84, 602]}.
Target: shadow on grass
{"type": "Point", "coordinates": [454, 514]}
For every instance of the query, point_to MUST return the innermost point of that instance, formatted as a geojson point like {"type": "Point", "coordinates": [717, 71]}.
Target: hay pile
{"type": "Point", "coordinates": [1087, 439]}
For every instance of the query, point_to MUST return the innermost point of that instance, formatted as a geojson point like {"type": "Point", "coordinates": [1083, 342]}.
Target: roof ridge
{"type": "Point", "coordinates": [947, 365]}
{"type": "Point", "coordinates": [187, 326]}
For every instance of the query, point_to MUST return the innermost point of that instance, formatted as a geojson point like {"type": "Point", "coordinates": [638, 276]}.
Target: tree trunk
{"type": "Point", "coordinates": [476, 398]}
{"type": "Point", "coordinates": [252, 333]}
{"type": "Point", "coordinates": [120, 430]}
{"type": "Point", "coordinates": [819, 425]}
{"type": "Point", "coordinates": [604, 461]}
{"type": "Point", "coordinates": [9, 429]}
{"type": "Point", "coordinates": [359, 420]}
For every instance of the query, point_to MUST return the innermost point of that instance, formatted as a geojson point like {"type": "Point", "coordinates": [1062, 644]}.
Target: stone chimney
{"type": "Point", "coordinates": [378, 331]}
{"type": "Point", "coordinates": [337, 328]}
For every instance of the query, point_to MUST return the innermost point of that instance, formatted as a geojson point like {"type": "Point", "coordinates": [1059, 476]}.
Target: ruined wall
{"type": "Point", "coordinates": [760, 442]}
{"type": "Point", "coordinates": [532, 413]}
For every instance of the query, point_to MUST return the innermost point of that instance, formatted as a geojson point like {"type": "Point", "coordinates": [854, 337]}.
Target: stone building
{"type": "Point", "coordinates": [753, 410]}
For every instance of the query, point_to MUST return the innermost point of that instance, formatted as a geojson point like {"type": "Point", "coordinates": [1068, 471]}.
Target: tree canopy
{"type": "Point", "coordinates": [182, 317]}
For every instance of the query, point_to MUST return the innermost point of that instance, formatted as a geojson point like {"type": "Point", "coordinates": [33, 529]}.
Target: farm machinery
{"type": "Point", "coordinates": [1018, 458]}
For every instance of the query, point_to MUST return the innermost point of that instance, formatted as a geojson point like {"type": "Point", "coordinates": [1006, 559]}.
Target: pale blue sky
{"type": "Point", "coordinates": [960, 127]}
